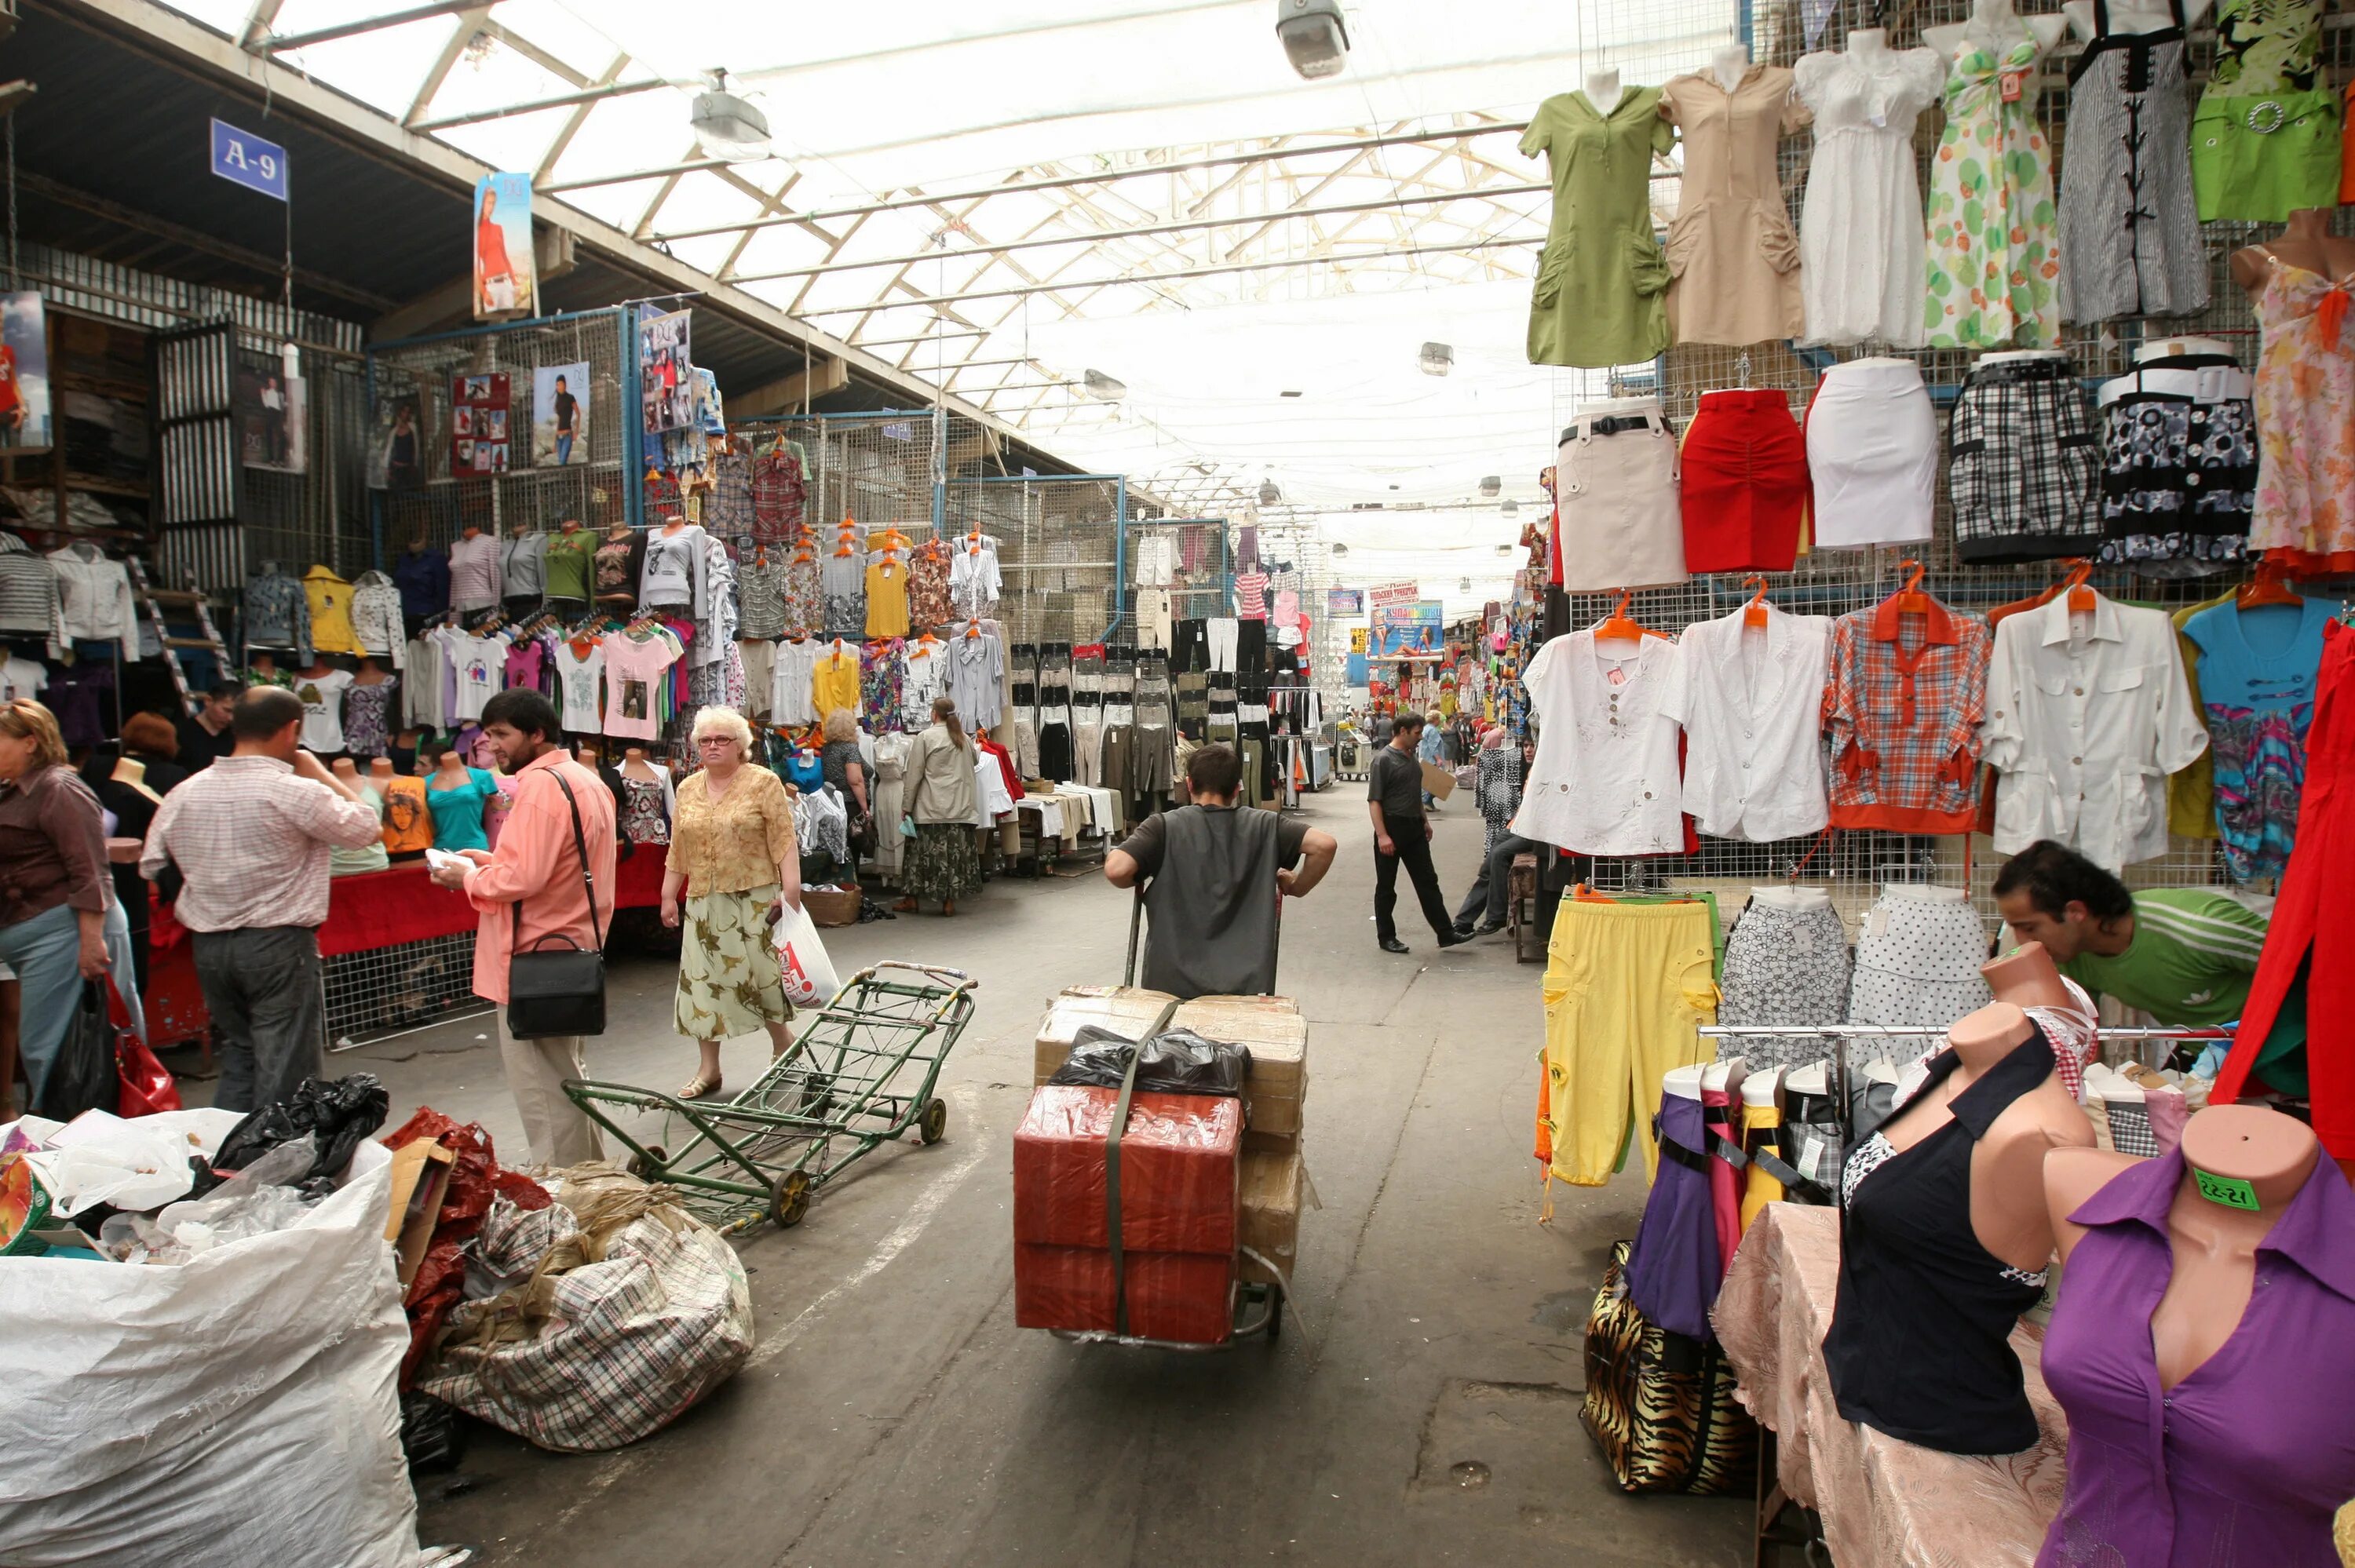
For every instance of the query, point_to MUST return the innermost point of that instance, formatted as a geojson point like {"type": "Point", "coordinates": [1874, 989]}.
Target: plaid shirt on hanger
{"type": "Point", "coordinates": [1903, 705]}
{"type": "Point", "coordinates": [779, 491]}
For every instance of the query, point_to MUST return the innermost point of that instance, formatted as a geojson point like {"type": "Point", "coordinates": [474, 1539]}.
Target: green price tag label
{"type": "Point", "coordinates": [2231, 1191]}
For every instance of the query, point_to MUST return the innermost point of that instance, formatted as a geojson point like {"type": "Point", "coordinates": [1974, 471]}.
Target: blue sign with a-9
{"type": "Point", "coordinates": [248, 160]}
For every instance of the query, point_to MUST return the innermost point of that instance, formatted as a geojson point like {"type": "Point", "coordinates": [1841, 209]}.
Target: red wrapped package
{"type": "Point", "coordinates": [1183, 1297]}
{"type": "Point", "coordinates": [1179, 1157]}
{"type": "Point", "coordinates": [1178, 1169]}
{"type": "Point", "coordinates": [475, 1177]}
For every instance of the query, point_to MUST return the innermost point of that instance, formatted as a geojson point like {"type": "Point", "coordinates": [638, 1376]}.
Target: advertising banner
{"type": "Point", "coordinates": [1390, 594]}
{"type": "Point", "coordinates": [1345, 601]}
{"type": "Point", "coordinates": [1407, 631]}
{"type": "Point", "coordinates": [507, 281]}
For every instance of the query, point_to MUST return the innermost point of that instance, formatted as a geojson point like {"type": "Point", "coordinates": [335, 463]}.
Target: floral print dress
{"type": "Point", "coordinates": [2305, 419]}
{"type": "Point", "coordinates": [1994, 244]}
{"type": "Point", "coordinates": [879, 684]}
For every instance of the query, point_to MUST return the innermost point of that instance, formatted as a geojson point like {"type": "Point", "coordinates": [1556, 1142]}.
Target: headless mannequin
{"type": "Point", "coordinates": [1602, 90]}
{"type": "Point", "coordinates": [1728, 66]}
{"type": "Point", "coordinates": [370, 675]}
{"type": "Point", "coordinates": [2215, 1245]}
{"type": "Point", "coordinates": [1995, 27]}
{"type": "Point", "coordinates": [635, 766]}
{"type": "Point", "coordinates": [380, 773]}
{"type": "Point", "coordinates": [2177, 347]}
{"type": "Point", "coordinates": [2008, 1213]}
{"type": "Point", "coordinates": [2306, 242]}
{"type": "Point", "coordinates": [2026, 978]}
{"type": "Point", "coordinates": [1793, 897]}
{"type": "Point", "coordinates": [2130, 17]}
{"type": "Point", "coordinates": [450, 771]}
{"type": "Point", "coordinates": [346, 771]}
{"type": "Point", "coordinates": [1869, 45]}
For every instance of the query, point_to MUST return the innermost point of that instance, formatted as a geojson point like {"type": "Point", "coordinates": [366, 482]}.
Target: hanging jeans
{"type": "Point", "coordinates": [45, 951]}
{"type": "Point", "coordinates": [1627, 987]}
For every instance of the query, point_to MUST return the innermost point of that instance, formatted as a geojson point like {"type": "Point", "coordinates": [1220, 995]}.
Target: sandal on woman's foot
{"type": "Point", "coordinates": [699, 1088]}
{"type": "Point", "coordinates": [948, 906]}
{"type": "Point", "coordinates": [906, 906]}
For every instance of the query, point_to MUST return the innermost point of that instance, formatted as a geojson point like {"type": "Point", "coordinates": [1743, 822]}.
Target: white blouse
{"type": "Point", "coordinates": [1753, 723]}
{"type": "Point", "coordinates": [1604, 778]}
{"type": "Point", "coordinates": [2084, 724]}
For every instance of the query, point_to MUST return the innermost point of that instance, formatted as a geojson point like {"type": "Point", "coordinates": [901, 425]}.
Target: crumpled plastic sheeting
{"type": "Point", "coordinates": [238, 1409]}
{"type": "Point", "coordinates": [635, 1316]}
{"type": "Point", "coordinates": [475, 1180]}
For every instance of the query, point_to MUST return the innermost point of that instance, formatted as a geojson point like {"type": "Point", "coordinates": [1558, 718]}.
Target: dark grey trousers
{"type": "Point", "coordinates": [1491, 889]}
{"type": "Point", "coordinates": [263, 988]}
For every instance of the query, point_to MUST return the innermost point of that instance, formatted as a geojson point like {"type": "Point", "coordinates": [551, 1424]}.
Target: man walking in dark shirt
{"type": "Point", "coordinates": [1402, 836]}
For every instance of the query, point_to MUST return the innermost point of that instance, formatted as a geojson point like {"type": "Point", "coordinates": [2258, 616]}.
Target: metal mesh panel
{"type": "Point", "coordinates": [1203, 582]}
{"type": "Point", "coordinates": [874, 468]}
{"type": "Point", "coordinates": [599, 492]}
{"type": "Point", "coordinates": [320, 516]}
{"type": "Point", "coordinates": [1059, 548]}
{"type": "Point", "coordinates": [1835, 582]}
{"type": "Point", "coordinates": [385, 991]}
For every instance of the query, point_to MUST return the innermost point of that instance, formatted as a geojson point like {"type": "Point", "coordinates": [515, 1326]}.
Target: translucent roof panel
{"type": "Point", "coordinates": [1000, 199]}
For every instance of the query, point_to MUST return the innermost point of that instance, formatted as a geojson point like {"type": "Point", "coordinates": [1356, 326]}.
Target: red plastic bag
{"type": "Point", "coordinates": [474, 1179]}
{"type": "Point", "coordinates": [146, 1083]}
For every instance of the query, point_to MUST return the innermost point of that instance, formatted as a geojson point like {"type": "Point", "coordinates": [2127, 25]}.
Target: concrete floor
{"type": "Point", "coordinates": [1421, 1405]}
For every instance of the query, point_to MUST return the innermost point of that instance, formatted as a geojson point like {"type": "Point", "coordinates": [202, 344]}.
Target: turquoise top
{"type": "Point", "coordinates": [458, 812]}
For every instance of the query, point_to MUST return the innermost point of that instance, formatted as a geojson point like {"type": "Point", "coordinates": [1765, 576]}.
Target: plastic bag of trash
{"type": "Point", "coordinates": [336, 1113]}
{"type": "Point", "coordinates": [1174, 1062]}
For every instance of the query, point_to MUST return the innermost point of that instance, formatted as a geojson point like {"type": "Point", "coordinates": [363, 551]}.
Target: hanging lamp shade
{"type": "Point", "coordinates": [1268, 493]}
{"type": "Point", "coordinates": [1437, 359]}
{"type": "Point", "coordinates": [727, 126]}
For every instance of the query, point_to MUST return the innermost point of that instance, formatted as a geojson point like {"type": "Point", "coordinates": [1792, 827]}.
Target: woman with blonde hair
{"type": "Point", "coordinates": [943, 799]}
{"type": "Point", "coordinates": [53, 886]}
{"type": "Point", "coordinates": [734, 857]}
{"type": "Point", "coordinates": [846, 769]}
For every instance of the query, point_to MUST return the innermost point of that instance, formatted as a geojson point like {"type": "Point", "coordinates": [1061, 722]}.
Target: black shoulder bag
{"type": "Point", "coordinates": [559, 991]}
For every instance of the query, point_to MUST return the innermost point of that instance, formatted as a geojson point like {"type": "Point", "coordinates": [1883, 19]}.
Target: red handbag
{"type": "Point", "coordinates": [143, 1085]}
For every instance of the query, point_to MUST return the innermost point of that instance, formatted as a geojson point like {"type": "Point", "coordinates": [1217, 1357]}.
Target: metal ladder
{"type": "Point", "coordinates": [151, 601]}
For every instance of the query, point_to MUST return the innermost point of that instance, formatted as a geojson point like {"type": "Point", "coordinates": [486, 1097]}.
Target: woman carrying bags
{"type": "Point", "coordinates": [53, 886]}
{"type": "Point", "coordinates": [734, 857]}
{"type": "Point", "coordinates": [942, 801]}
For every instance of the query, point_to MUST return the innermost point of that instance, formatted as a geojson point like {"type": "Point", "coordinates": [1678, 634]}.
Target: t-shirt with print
{"type": "Point", "coordinates": [1395, 782]}
{"type": "Point", "coordinates": [581, 676]}
{"type": "Point", "coordinates": [2257, 670]}
{"type": "Point", "coordinates": [1250, 596]}
{"type": "Point", "coordinates": [22, 680]}
{"type": "Point", "coordinates": [475, 665]}
{"type": "Point", "coordinates": [321, 697]}
{"type": "Point", "coordinates": [634, 672]}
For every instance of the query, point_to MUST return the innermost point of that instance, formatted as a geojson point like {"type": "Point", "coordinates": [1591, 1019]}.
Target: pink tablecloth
{"type": "Point", "coordinates": [1884, 1503]}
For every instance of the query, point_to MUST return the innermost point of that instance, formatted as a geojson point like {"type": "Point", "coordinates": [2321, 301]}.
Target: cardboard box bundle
{"type": "Point", "coordinates": [1273, 1181]}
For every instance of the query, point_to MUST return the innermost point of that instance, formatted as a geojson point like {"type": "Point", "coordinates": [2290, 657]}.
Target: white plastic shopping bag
{"type": "Point", "coordinates": [809, 973]}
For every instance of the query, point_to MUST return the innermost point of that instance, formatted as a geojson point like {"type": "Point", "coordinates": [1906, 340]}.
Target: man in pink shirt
{"type": "Point", "coordinates": [536, 864]}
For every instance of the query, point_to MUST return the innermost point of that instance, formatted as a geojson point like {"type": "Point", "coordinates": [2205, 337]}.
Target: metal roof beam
{"type": "Point", "coordinates": [577, 118]}
{"type": "Point", "coordinates": [1105, 176]}
{"type": "Point", "coordinates": [1146, 230]}
{"type": "Point", "coordinates": [273, 43]}
{"type": "Point", "coordinates": [692, 166]}
{"type": "Point", "coordinates": [533, 106]}
{"type": "Point", "coordinates": [452, 47]}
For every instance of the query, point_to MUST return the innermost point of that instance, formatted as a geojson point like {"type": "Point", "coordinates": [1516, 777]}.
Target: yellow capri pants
{"type": "Point", "coordinates": [1627, 987]}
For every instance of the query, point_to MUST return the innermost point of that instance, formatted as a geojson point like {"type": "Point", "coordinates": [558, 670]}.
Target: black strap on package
{"type": "Point", "coordinates": [1135, 1053]}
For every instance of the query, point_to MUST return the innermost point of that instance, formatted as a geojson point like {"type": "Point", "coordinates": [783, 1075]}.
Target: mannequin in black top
{"type": "Point", "coordinates": [1943, 1246]}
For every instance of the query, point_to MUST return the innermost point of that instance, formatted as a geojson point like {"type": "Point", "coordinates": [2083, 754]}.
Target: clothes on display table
{"type": "Point", "coordinates": [2257, 672]}
{"type": "Point", "coordinates": [1861, 269]}
{"type": "Point", "coordinates": [2265, 136]}
{"type": "Point", "coordinates": [1920, 1344]}
{"type": "Point", "coordinates": [1752, 719]}
{"type": "Point", "coordinates": [2086, 716]}
{"type": "Point", "coordinates": [2307, 973]}
{"type": "Point", "coordinates": [1598, 296]}
{"type": "Point", "coordinates": [1734, 260]}
{"type": "Point", "coordinates": [1873, 454]}
{"type": "Point", "coordinates": [1627, 987]}
{"type": "Point", "coordinates": [2305, 418]}
{"type": "Point", "coordinates": [1605, 777]}
{"type": "Point", "coordinates": [1904, 703]}
{"type": "Point", "coordinates": [1742, 484]}
{"type": "Point", "coordinates": [2179, 465]}
{"type": "Point", "coordinates": [1993, 253]}
{"type": "Point", "coordinates": [2244, 1460]}
{"type": "Point", "coordinates": [2129, 234]}
{"type": "Point", "coordinates": [2025, 464]}
{"type": "Point", "coordinates": [1918, 953]}
{"type": "Point", "coordinates": [1786, 962]}
{"type": "Point", "coordinates": [475, 578]}
{"type": "Point", "coordinates": [1615, 476]}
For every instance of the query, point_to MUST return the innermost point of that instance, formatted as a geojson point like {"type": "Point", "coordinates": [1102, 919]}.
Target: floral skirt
{"type": "Point", "coordinates": [942, 862]}
{"type": "Point", "coordinates": [729, 983]}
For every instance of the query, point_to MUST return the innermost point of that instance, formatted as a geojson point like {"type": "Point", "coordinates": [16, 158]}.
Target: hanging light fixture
{"type": "Point", "coordinates": [1437, 359]}
{"type": "Point", "coordinates": [1492, 486]}
{"type": "Point", "coordinates": [727, 126]}
{"type": "Point", "coordinates": [1315, 36]}
{"type": "Point", "coordinates": [1511, 507]}
{"type": "Point", "coordinates": [1338, 551]}
{"type": "Point", "coordinates": [1268, 493]}
{"type": "Point", "coordinates": [1102, 387]}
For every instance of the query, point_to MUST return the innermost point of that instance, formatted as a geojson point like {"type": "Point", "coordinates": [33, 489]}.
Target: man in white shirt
{"type": "Point", "coordinates": [251, 834]}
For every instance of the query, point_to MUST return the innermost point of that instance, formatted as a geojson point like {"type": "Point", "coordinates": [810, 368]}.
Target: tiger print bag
{"type": "Point", "coordinates": [1660, 1403]}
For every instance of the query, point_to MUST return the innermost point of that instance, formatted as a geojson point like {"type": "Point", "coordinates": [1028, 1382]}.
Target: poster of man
{"type": "Point", "coordinates": [24, 422]}
{"type": "Point", "coordinates": [506, 281]}
{"type": "Point", "coordinates": [269, 406]}
{"type": "Point", "coordinates": [559, 415]}
{"type": "Point", "coordinates": [665, 373]}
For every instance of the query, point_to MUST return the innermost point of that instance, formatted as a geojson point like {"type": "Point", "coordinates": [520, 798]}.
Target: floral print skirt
{"type": "Point", "coordinates": [942, 862]}
{"type": "Point", "coordinates": [728, 983]}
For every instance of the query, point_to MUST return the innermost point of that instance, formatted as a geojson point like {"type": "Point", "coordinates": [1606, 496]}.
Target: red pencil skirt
{"type": "Point", "coordinates": [1744, 483]}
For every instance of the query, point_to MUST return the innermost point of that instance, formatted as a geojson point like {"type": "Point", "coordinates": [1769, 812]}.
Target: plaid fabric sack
{"type": "Point", "coordinates": [1660, 1405]}
{"type": "Point", "coordinates": [633, 1310]}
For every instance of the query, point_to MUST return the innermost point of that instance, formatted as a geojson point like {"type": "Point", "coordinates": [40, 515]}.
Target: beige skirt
{"type": "Point", "coordinates": [1621, 525]}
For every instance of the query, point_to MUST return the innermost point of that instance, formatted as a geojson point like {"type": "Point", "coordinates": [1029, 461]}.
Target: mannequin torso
{"type": "Point", "coordinates": [2306, 243]}
{"type": "Point", "coordinates": [1995, 26]}
{"type": "Point", "coordinates": [1602, 90]}
{"type": "Point", "coordinates": [2129, 16]}
{"type": "Point", "coordinates": [1728, 66]}
{"type": "Point", "coordinates": [2180, 347]}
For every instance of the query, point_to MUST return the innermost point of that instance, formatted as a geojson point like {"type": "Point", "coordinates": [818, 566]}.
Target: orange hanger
{"type": "Point", "coordinates": [1618, 627]}
{"type": "Point", "coordinates": [2270, 585]}
{"type": "Point", "coordinates": [2081, 598]}
{"type": "Point", "coordinates": [972, 629]}
{"type": "Point", "coordinates": [1910, 600]}
{"type": "Point", "coordinates": [845, 549]}
{"type": "Point", "coordinates": [1754, 612]}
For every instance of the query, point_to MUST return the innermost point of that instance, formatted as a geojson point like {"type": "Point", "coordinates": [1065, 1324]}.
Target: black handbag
{"type": "Point", "coordinates": [559, 991]}
{"type": "Point", "coordinates": [82, 1077]}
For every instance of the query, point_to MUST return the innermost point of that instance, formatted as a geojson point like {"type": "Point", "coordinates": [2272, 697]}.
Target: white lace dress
{"type": "Point", "coordinates": [1861, 234]}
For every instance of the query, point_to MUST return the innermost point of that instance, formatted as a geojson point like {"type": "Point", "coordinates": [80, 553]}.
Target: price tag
{"type": "Point", "coordinates": [2010, 83]}
{"type": "Point", "coordinates": [2229, 1190]}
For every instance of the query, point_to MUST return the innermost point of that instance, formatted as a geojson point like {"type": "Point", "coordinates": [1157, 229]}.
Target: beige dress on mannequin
{"type": "Point", "coordinates": [1733, 257]}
